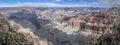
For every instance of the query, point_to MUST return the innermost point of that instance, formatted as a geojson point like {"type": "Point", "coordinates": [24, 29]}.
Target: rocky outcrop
{"type": "Point", "coordinates": [10, 37]}
{"type": "Point", "coordinates": [103, 21]}
{"type": "Point", "coordinates": [96, 22]}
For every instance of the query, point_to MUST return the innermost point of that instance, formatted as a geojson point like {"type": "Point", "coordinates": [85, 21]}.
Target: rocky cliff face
{"type": "Point", "coordinates": [110, 38]}
{"type": "Point", "coordinates": [96, 22]}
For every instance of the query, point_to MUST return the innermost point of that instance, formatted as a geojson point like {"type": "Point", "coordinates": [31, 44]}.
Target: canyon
{"type": "Point", "coordinates": [62, 26]}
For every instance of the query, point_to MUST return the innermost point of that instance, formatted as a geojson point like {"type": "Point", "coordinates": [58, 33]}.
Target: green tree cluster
{"type": "Point", "coordinates": [10, 37]}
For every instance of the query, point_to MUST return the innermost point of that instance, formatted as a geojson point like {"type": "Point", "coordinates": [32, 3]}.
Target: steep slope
{"type": "Point", "coordinates": [110, 38]}
{"type": "Point", "coordinates": [10, 37]}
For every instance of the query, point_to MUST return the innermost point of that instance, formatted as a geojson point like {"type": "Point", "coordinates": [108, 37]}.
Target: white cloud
{"type": "Point", "coordinates": [18, 2]}
{"type": "Point", "coordinates": [58, 0]}
{"type": "Point", "coordinates": [38, 4]}
{"type": "Point", "coordinates": [45, 5]}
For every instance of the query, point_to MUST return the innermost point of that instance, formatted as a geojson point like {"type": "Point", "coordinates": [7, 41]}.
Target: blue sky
{"type": "Point", "coordinates": [59, 3]}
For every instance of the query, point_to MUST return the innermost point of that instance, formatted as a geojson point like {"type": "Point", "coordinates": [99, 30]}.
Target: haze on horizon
{"type": "Point", "coordinates": [59, 3]}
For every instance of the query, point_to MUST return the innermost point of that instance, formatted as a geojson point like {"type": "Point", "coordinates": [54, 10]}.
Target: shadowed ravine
{"type": "Point", "coordinates": [41, 29]}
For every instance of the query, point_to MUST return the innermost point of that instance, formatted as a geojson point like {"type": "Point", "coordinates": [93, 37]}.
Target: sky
{"type": "Point", "coordinates": [59, 3]}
